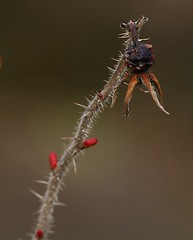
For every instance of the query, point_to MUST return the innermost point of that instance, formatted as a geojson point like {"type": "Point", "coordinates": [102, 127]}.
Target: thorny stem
{"type": "Point", "coordinates": [74, 148]}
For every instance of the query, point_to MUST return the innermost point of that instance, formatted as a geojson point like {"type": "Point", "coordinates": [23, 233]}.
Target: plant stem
{"type": "Point", "coordinates": [95, 106]}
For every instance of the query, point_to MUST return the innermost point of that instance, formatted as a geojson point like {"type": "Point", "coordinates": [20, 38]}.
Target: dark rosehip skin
{"type": "Point", "coordinates": [139, 58]}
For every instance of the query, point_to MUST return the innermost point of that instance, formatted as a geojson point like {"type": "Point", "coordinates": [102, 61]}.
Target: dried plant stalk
{"type": "Point", "coordinates": [95, 106]}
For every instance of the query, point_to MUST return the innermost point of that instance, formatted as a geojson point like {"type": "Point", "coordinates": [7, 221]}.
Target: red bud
{"type": "Point", "coordinates": [100, 95]}
{"type": "Point", "coordinates": [89, 142]}
{"type": "Point", "coordinates": [53, 160]}
{"type": "Point", "coordinates": [39, 234]}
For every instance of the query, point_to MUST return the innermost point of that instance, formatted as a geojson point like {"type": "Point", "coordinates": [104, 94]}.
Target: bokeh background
{"type": "Point", "coordinates": [137, 183]}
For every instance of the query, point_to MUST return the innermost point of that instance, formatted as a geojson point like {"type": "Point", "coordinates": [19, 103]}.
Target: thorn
{"type": "Point", "coordinates": [81, 105]}
{"type": "Point", "coordinates": [121, 54]}
{"type": "Point", "coordinates": [37, 194]}
{"type": "Point", "coordinates": [111, 69]}
{"type": "Point", "coordinates": [88, 100]}
{"type": "Point", "coordinates": [114, 59]}
{"type": "Point", "coordinates": [40, 181]}
{"type": "Point", "coordinates": [92, 95]}
{"type": "Point", "coordinates": [60, 204]}
{"type": "Point", "coordinates": [74, 165]}
{"type": "Point", "coordinates": [124, 36]}
{"type": "Point", "coordinates": [143, 39]}
{"type": "Point", "coordinates": [114, 97]}
{"type": "Point", "coordinates": [67, 138]}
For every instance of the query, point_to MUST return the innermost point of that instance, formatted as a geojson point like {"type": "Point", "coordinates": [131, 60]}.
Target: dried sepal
{"type": "Point", "coordinates": [146, 82]}
{"type": "Point", "coordinates": [131, 85]}
{"type": "Point", "coordinates": [156, 83]}
{"type": "Point", "coordinates": [139, 58]}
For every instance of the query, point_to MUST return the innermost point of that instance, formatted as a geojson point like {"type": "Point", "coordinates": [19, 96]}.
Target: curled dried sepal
{"type": "Point", "coordinates": [156, 83]}
{"type": "Point", "coordinates": [146, 82]}
{"type": "Point", "coordinates": [53, 160]}
{"type": "Point", "coordinates": [89, 142]}
{"type": "Point", "coordinates": [39, 234]}
{"type": "Point", "coordinates": [150, 81]}
{"type": "Point", "coordinates": [133, 82]}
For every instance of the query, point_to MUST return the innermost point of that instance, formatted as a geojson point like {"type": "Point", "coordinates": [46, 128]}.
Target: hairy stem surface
{"type": "Point", "coordinates": [95, 106]}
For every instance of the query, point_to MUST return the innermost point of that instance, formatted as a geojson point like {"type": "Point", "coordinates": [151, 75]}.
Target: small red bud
{"type": "Point", "coordinates": [39, 234]}
{"type": "Point", "coordinates": [89, 142]}
{"type": "Point", "coordinates": [100, 95]}
{"type": "Point", "coordinates": [53, 160]}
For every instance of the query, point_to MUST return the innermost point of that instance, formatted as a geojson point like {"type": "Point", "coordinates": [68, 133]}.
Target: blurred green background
{"type": "Point", "coordinates": [137, 183]}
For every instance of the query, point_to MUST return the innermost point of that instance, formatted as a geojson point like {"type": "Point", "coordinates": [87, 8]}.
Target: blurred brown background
{"type": "Point", "coordinates": [137, 183]}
